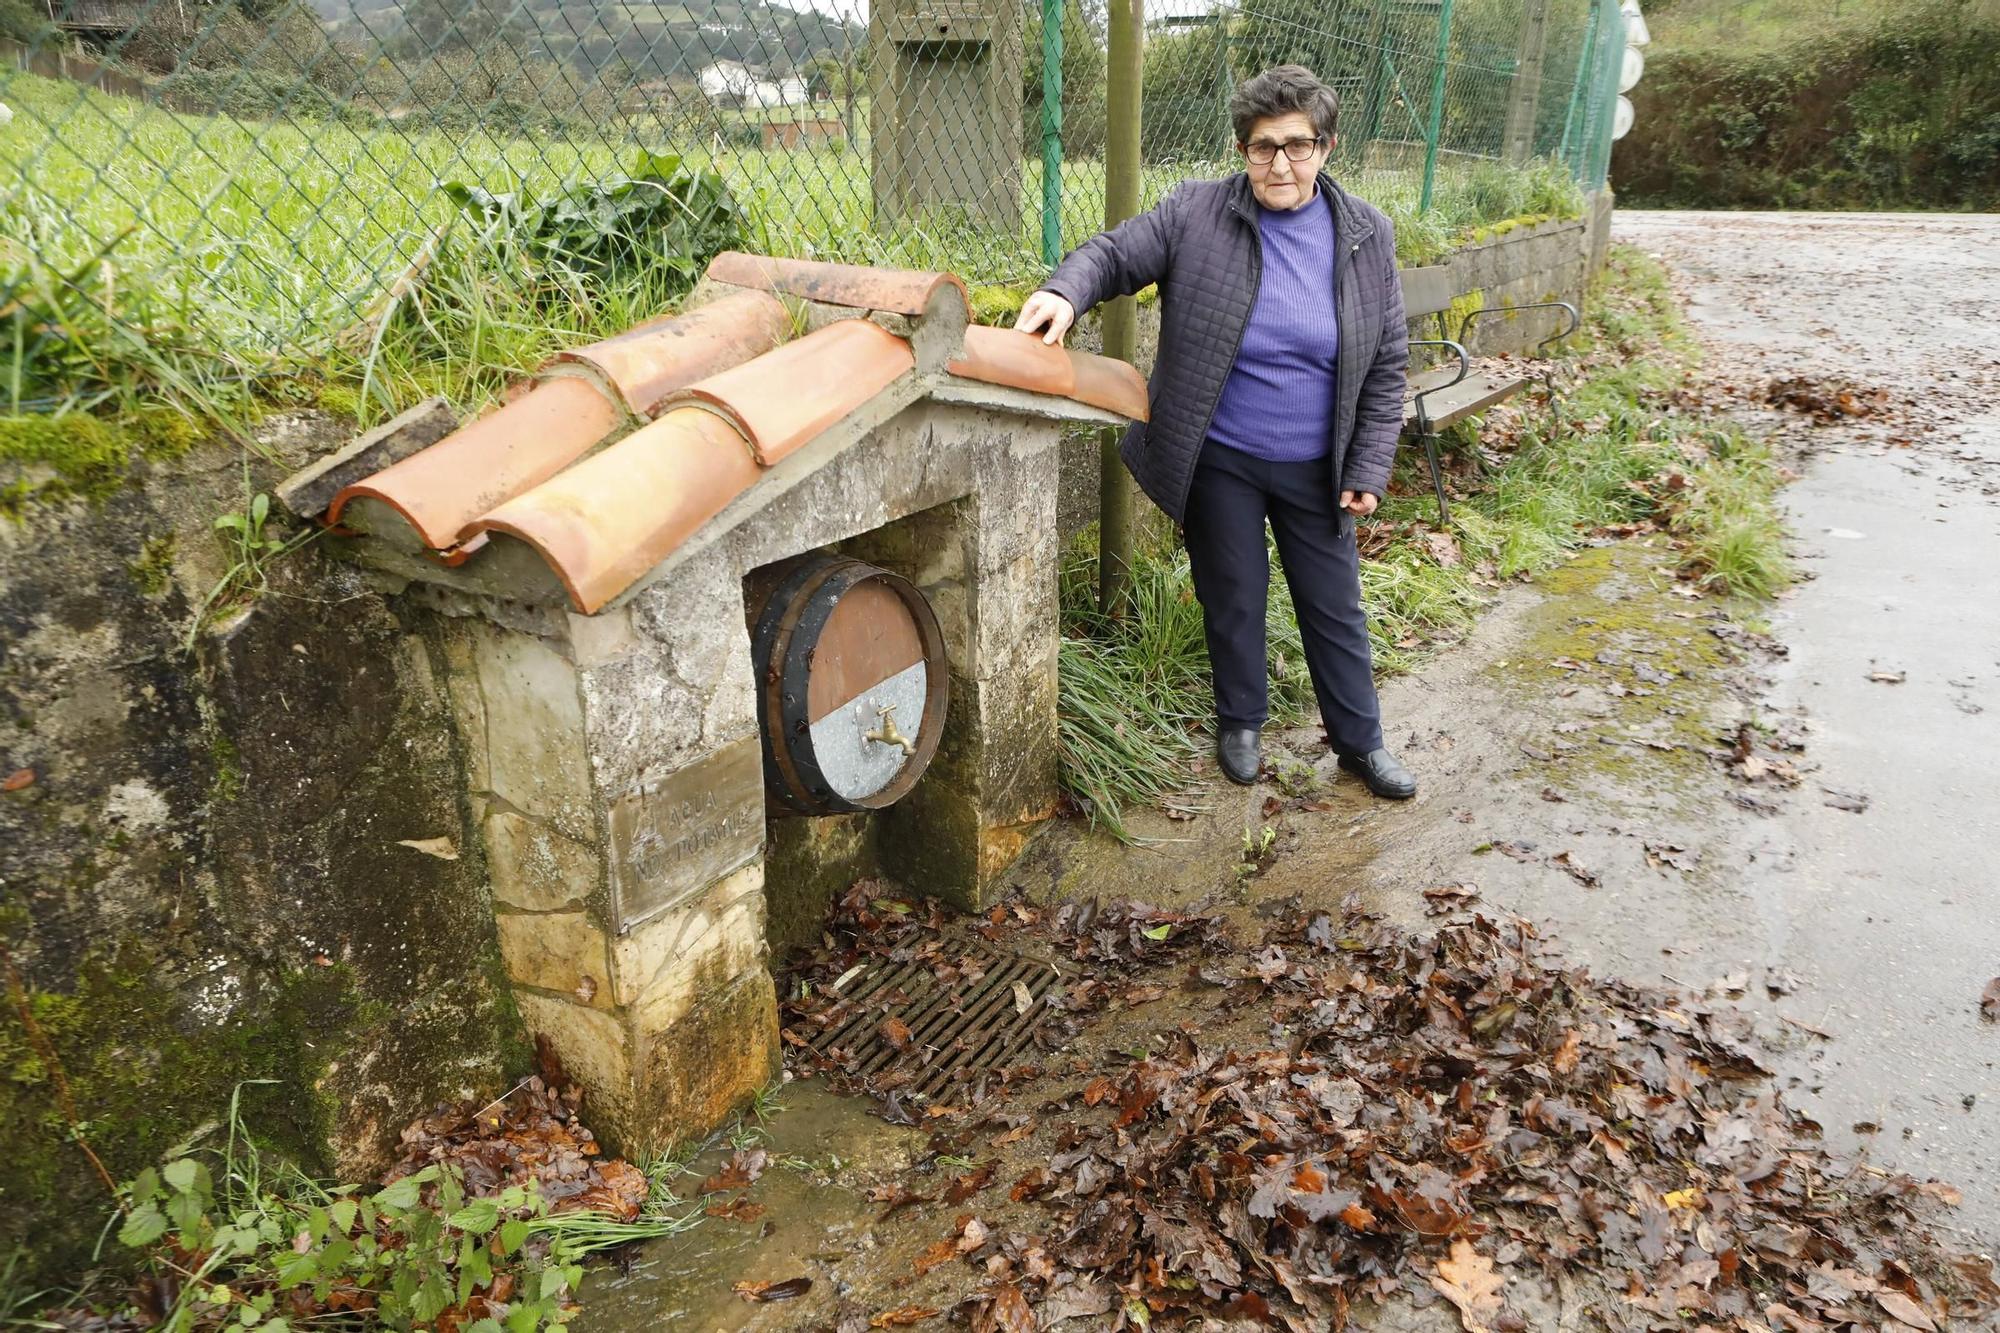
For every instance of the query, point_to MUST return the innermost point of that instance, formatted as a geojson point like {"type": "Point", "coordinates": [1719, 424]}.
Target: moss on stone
{"type": "Point", "coordinates": [998, 303]}
{"type": "Point", "coordinates": [343, 400]}
{"type": "Point", "coordinates": [226, 781]}
{"type": "Point", "coordinates": [144, 1072]}
{"type": "Point", "coordinates": [70, 455]}
{"type": "Point", "coordinates": [1493, 231]}
{"type": "Point", "coordinates": [1623, 612]}
{"type": "Point", "coordinates": [83, 456]}
{"type": "Point", "coordinates": [153, 570]}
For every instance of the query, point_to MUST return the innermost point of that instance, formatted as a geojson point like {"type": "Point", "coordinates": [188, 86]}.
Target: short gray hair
{"type": "Point", "coordinates": [1280, 91]}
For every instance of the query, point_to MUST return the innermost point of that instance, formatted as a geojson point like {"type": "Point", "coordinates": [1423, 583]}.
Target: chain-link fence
{"type": "Point", "coordinates": [271, 178]}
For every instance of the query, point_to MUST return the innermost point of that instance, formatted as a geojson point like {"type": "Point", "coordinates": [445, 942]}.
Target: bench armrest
{"type": "Point", "coordinates": [1464, 369]}
{"type": "Point", "coordinates": [1575, 319]}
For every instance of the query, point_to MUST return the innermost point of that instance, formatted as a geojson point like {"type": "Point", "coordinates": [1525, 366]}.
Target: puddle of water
{"type": "Point", "coordinates": [814, 1218]}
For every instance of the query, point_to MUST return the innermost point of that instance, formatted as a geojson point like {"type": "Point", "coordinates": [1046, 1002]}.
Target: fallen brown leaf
{"type": "Point", "coordinates": [1468, 1281]}
{"type": "Point", "coordinates": [902, 1316]}
{"type": "Point", "coordinates": [736, 1210]}
{"type": "Point", "coordinates": [1905, 1311]}
{"type": "Point", "coordinates": [943, 1252]}
{"type": "Point", "coordinates": [743, 1167]}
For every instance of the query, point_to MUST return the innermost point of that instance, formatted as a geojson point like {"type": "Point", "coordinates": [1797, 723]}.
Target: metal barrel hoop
{"type": "Point", "coordinates": [785, 645]}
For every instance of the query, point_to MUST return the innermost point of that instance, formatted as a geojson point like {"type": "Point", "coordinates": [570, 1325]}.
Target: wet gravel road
{"type": "Point", "coordinates": [1889, 917]}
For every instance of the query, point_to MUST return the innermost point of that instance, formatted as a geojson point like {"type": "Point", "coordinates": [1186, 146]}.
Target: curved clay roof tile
{"type": "Point", "coordinates": [1020, 360]}
{"type": "Point", "coordinates": [606, 521]}
{"type": "Point", "coordinates": [786, 397]}
{"type": "Point", "coordinates": [488, 461]}
{"type": "Point", "coordinates": [650, 362]}
{"type": "Point", "coordinates": [899, 291]}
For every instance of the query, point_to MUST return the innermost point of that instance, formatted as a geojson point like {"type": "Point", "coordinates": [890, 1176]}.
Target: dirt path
{"type": "Point", "coordinates": [1575, 755]}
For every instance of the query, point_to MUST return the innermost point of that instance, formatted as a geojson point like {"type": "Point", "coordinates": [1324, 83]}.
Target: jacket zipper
{"type": "Point", "coordinates": [1339, 459]}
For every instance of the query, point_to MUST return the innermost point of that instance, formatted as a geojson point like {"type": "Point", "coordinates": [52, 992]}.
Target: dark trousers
{"type": "Point", "coordinates": [1233, 494]}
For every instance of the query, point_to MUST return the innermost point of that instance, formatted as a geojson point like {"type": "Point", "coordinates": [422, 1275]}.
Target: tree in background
{"type": "Point", "coordinates": [433, 26]}
{"type": "Point", "coordinates": [1083, 74]}
{"type": "Point", "coordinates": [1186, 91]}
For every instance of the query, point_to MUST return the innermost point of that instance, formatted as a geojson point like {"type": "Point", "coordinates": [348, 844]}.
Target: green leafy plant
{"type": "Point", "coordinates": [663, 210]}
{"type": "Point", "coordinates": [252, 548]}
{"type": "Point", "coordinates": [1257, 845]}
{"type": "Point", "coordinates": [396, 1258]}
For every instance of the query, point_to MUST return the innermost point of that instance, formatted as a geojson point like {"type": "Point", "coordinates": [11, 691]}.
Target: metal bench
{"type": "Point", "coordinates": [1448, 394]}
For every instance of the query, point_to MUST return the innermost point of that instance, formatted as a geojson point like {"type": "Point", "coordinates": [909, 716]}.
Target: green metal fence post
{"type": "Point", "coordinates": [1583, 72]}
{"type": "Point", "coordinates": [1124, 79]}
{"type": "Point", "coordinates": [1437, 107]}
{"type": "Point", "coordinates": [1052, 128]}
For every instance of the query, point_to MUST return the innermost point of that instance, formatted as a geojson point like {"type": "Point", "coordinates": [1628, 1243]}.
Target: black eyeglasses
{"type": "Point", "coordinates": [1263, 152]}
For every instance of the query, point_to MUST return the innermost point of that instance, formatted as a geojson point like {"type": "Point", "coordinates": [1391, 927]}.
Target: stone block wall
{"type": "Point", "coordinates": [252, 860]}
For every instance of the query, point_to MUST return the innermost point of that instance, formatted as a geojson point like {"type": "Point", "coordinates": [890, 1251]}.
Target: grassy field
{"type": "Point", "coordinates": [153, 251]}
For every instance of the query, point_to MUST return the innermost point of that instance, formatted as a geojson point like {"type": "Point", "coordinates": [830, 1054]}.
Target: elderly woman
{"type": "Point", "coordinates": [1277, 394]}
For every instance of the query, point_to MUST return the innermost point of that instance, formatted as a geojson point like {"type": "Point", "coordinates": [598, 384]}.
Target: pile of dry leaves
{"type": "Point", "coordinates": [1826, 401]}
{"type": "Point", "coordinates": [532, 1134]}
{"type": "Point", "coordinates": [1458, 1115]}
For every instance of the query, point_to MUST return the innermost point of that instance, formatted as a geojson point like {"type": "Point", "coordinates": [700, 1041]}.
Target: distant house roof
{"type": "Point", "coordinates": [625, 448]}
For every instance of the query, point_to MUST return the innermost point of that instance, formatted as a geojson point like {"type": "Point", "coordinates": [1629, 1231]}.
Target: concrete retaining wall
{"type": "Point", "coordinates": [249, 861]}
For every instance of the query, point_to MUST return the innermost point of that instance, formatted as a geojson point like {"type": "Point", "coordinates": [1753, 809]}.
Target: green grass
{"type": "Point", "coordinates": [151, 253]}
{"type": "Point", "coordinates": [1134, 697]}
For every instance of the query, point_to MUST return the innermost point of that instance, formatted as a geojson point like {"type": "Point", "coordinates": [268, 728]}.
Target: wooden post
{"type": "Point", "coordinates": [1121, 201]}
{"type": "Point", "coordinates": [1524, 96]}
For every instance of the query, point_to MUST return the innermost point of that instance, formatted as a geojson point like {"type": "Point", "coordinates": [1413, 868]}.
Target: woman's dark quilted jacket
{"type": "Point", "coordinates": [1201, 246]}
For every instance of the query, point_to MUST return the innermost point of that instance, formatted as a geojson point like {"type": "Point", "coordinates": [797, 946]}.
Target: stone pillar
{"type": "Point", "coordinates": [945, 111]}
{"type": "Point", "coordinates": [614, 759]}
{"type": "Point", "coordinates": [991, 576]}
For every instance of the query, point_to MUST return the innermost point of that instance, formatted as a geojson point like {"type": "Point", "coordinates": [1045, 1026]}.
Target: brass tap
{"type": "Point", "coordinates": [887, 733]}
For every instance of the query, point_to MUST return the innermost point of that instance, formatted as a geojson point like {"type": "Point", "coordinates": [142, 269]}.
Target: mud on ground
{"type": "Point", "coordinates": [1586, 764]}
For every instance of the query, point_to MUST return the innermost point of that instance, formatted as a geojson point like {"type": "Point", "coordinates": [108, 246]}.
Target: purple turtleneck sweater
{"type": "Point", "coordinates": [1278, 400]}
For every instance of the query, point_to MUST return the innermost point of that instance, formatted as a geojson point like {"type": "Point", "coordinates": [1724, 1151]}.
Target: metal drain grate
{"type": "Point", "coordinates": [952, 1029]}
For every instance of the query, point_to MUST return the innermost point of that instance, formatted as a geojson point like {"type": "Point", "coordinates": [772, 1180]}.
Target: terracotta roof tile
{"type": "Point", "coordinates": [1023, 361]}
{"type": "Point", "coordinates": [900, 291]}
{"type": "Point", "coordinates": [786, 397]}
{"type": "Point", "coordinates": [648, 363]}
{"type": "Point", "coordinates": [730, 398]}
{"type": "Point", "coordinates": [488, 461]}
{"type": "Point", "coordinates": [605, 522]}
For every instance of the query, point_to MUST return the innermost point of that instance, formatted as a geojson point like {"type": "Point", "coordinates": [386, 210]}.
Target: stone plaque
{"type": "Point", "coordinates": [685, 832]}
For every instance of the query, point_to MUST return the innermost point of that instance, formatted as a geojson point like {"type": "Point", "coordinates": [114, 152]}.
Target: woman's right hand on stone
{"type": "Point", "coordinates": [1046, 309]}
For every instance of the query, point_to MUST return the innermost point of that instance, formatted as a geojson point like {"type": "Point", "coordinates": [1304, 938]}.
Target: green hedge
{"type": "Point", "coordinates": [1903, 114]}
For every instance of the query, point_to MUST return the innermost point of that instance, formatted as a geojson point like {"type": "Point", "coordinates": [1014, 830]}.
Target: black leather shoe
{"type": "Point", "coordinates": [1383, 772]}
{"type": "Point", "coordinates": [1237, 751]}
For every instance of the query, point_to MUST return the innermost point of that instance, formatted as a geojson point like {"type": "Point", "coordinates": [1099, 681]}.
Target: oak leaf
{"type": "Point", "coordinates": [1468, 1281]}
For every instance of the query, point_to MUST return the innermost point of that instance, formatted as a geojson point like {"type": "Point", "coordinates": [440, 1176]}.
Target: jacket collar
{"type": "Point", "coordinates": [1348, 219]}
